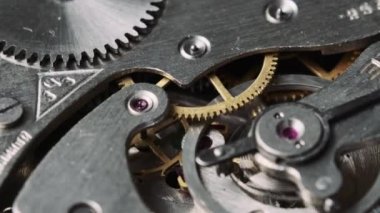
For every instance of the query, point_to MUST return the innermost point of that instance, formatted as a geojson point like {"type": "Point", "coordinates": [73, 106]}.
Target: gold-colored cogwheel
{"type": "Point", "coordinates": [148, 138]}
{"type": "Point", "coordinates": [230, 103]}
{"type": "Point", "coordinates": [346, 60]}
{"type": "Point", "coordinates": [276, 98]}
{"type": "Point", "coordinates": [284, 96]}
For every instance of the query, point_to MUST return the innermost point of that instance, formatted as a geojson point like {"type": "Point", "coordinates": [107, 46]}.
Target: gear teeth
{"type": "Point", "coordinates": [9, 51]}
{"type": "Point", "coordinates": [63, 58]}
{"type": "Point", "coordinates": [148, 16]}
{"type": "Point", "coordinates": [32, 58]}
{"type": "Point", "coordinates": [89, 57]}
{"type": "Point", "coordinates": [123, 44]}
{"type": "Point", "coordinates": [92, 54]}
{"type": "Point", "coordinates": [72, 62]}
{"type": "Point", "coordinates": [85, 60]}
{"type": "Point", "coordinates": [2, 45]}
{"type": "Point", "coordinates": [101, 52]}
{"type": "Point", "coordinates": [29, 55]}
{"type": "Point", "coordinates": [149, 19]}
{"type": "Point", "coordinates": [255, 89]}
{"type": "Point", "coordinates": [20, 55]}
{"type": "Point", "coordinates": [223, 111]}
{"type": "Point", "coordinates": [134, 34]}
{"type": "Point", "coordinates": [285, 96]}
{"type": "Point", "coordinates": [16, 51]}
{"type": "Point", "coordinates": [45, 61]}
{"type": "Point", "coordinates": [57, 62]}
{"type": "Point", "coordinates": [112, 48]}
{"type": "Point", "coordinates": [97, 61]}
{"type": "Point", "coordinates": [156, 6]}
{"type": "Point", "coordinates": [141, 26]}
{"type": "Point", "coordinates": [77, 57]}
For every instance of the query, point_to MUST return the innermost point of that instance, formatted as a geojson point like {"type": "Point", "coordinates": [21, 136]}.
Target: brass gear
{"type": "Point", "coordinates": [284, 96]}
{"type": "Point", "coordinates": [148, 138]}
{"type": "Point", "coordinates": [230, 103]}
{"type": "Point", "coordinates": [346, 61]}
{"type": "Point", "coordinates": [288, 88]}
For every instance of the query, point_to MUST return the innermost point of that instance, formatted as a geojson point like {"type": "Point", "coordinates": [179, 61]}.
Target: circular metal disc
{"type": "Point", "coordinates": [64, 27]}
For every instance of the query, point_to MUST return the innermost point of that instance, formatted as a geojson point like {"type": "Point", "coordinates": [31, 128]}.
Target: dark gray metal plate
{"type": "Point", "coordinates": [89, 164]}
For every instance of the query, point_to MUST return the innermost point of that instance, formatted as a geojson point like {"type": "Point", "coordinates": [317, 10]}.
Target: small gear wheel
{"type": "Point", "coordinates": [230, 102]}
{"type": "Point", "coordinates": [59, 31]}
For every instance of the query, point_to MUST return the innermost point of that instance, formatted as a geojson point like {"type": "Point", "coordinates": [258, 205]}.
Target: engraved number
{"type": "Point", "coordinates": [53, 82]}
{"type": "Point", "coordinates": [49, 96]}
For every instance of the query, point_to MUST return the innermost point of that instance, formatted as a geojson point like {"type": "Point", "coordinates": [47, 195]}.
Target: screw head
{"type": "Point", "coordinates": [193, 47]}
{"type": "Point", "coordinates": [291, 129]}
{"type": "Point", "coordinates": [297, 134]}
{"type": "Point", "coordinates": [279, 11]}
{"type": "Point", "coordinates": [323, 183]}
{"type": "Point", "coordinates": [290, 133]}
{"type": "Point", "coordinates": [85, 207]}
{"type": "Point", "coordinates": [81, 208]}
{"type": "Point", "coordinates": [10, 112]}
{"type": "Point", "coordinates": [141, 102]}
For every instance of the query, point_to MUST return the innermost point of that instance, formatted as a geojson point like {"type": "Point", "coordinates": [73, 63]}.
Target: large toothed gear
{"type": "Point", "coordinates": [230, 102]}
{"type": "Point", "coordinates": [50, 32]}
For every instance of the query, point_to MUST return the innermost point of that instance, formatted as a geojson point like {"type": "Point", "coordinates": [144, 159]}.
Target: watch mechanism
{"type": "Point", "coordinates": [189, 106]}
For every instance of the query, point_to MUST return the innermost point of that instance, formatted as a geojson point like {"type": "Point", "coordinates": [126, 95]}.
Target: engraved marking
{"type": "Point", "coordinates": [352, 14]}
{"type": "Point", "coordinates": [69, 81]}
{"type": "Point", "coordinates": [375, 72]}
{"type": "Point", "coordinates": [51, 82]}
{"type": "Point", "coordinates": [372, 69]}
{"type": "Point", "coordinates": [364, 9]}
{"type": "Point", "coordinates": [23, 138]}
{"type": "Point", "coordinates": [49, 96]}
{"type": "Point", "coordinates": [55, 87]}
